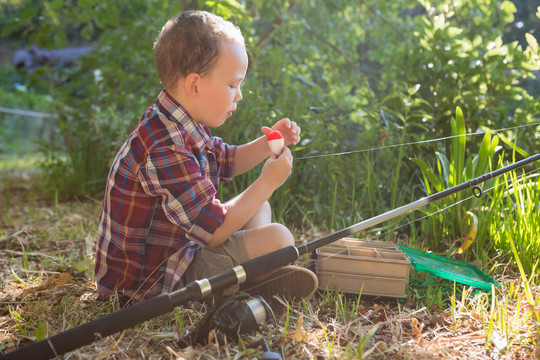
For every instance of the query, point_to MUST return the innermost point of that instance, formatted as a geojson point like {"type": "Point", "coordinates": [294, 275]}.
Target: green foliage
{"type": "Point", "coordinates": [442, 228]}
{"type": "Point", "coordinates": [352, 79]}
{"type": "Point", "coordinates": [9, 9]}
{"type": "Point", "coordinates": [430, 291]}
{"type": "Point", "coordinates": [353, 75]}
{"type": "Point", "coordinates": [101, 97]}
{"type": "Point", "coordinates": [457, 55]}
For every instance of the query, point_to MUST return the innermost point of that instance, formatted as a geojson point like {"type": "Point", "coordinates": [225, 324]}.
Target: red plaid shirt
{"type": "Point", "coordinates": [160, 202]}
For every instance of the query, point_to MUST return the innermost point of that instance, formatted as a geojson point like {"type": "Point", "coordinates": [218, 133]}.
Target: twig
{"type": "Point", "coordinates": [332, 46]}
{"type": "Point", "coordinates": [37, 254]}
{"type": "Point", "coordinates": [12, 235]}
{"type": "Point", "coordinates": [378, 346]}
{"type": "Point", "coordinates": [273, 27]}
{"type": "Point", "coordinates": [27, 113]}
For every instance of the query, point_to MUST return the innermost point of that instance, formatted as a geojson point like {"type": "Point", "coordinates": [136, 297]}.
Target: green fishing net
{"type": "Point", "coordinates": [449, 269]}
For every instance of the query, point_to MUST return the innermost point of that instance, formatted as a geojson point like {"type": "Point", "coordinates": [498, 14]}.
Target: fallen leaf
{"type": "Point", "coordinates": [416, 327]}
{"type": "Point", "coordinates": [380, 346]}
{"type": "Point", "coordinates": [499, 342]}
{"type": "Point", "coordinates": [22, 240]}
{"type": "Point", "coordinates": [315, 335]}
{"type": "Point", "coordinates": [74, 218]}
{"type": "Point", "coordinates": [298, 333]}
{"type": "Point", "coordinates": [178, 334]}
{"type": "Point", "coordinates": [54, 281]}
{"type": "Point", "coordinates": [437, 319]}
{"type": "Point", "coordinates": [382, 317]}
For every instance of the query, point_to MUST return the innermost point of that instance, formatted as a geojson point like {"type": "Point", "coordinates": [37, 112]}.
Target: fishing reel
{"type": "Point", "coordinates": [241, 314]}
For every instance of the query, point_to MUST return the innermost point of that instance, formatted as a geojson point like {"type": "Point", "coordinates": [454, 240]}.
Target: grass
{"type": "Point", "coordinates": [514, 225]}
{"type": "Point", "coordinates": [19, 163]}
{"type": "Point", "coordinates": [44, 290]}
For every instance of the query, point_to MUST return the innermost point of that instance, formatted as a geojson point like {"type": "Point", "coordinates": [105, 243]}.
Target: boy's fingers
{"type": "Point", "coordinates": [297, 129]}
{"type": "Point", "coordinates": [289, 123]}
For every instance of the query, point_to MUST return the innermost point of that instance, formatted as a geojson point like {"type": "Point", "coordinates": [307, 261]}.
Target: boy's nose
{"type": "Point", "coordinates": [238, 96]}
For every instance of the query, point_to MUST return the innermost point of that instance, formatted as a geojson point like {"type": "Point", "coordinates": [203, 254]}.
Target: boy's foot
{"type": "Point", "coordinates": [292, 283]}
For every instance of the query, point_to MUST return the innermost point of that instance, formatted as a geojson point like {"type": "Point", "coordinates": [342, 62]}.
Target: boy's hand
{"type": "Point", "coordinates": [289, 129]}
{"type": "Point", "coordinates": [277, 169]}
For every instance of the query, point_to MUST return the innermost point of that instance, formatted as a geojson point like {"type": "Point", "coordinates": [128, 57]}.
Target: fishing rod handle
{"type": "Point", "coordinates": [94, 330]}
{"type": "Point", "coordinates": [248, 271]}
{"type": "Point", "coordinates": [128, 317]}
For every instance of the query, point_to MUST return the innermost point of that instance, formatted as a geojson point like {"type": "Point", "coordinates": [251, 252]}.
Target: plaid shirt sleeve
{"type": "Point", "coordinates": [225, 155]}
{"type": "Point", "coordinates": [187, 197]}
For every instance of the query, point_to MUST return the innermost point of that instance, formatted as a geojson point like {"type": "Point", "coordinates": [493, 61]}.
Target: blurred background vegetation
{"type": "Point", "coordinates": [358, 76]}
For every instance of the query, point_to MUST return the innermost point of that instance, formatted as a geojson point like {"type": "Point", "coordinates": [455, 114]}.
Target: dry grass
{"type": "Point", "coordinates": [47, 287]}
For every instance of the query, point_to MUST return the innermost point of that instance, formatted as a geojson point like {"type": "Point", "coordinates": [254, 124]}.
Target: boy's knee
{"type": "Point", "coordinates": [282, 235]}
{"type": "Point", "coordinates": [266, 239]}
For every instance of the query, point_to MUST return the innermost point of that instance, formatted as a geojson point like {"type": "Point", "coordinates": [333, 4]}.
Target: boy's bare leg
{"type": "Point", "coordinates": [262, 236]}
{"type": "Point", "coordinates": [260, 218]}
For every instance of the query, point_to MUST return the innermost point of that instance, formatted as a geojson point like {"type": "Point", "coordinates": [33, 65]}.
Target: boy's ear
{"type": "Point", "coordinates": [192, 84]}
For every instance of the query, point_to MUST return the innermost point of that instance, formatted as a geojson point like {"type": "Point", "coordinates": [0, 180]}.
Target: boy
{"type": "Point", "coordinates": [161, 225]}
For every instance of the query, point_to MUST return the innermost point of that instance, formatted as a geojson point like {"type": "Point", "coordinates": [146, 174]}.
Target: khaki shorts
{"type": "Point", "coordinates": [213, 261]}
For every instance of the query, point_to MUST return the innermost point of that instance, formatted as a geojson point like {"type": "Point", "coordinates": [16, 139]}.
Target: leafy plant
{"type": "Point", "coordinates": [444, 227]}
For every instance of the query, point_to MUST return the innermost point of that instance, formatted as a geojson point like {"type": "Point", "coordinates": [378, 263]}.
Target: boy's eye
{"type": "Point", "coordinates": [232, 86]}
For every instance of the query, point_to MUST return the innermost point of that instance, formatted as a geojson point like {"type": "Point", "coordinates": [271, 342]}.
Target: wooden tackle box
{"type": "Point", "coordinates": [370, 267]}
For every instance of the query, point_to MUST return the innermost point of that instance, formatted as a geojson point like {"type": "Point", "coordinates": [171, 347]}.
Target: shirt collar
{"type": "Point", "coordinates": [176, 112]}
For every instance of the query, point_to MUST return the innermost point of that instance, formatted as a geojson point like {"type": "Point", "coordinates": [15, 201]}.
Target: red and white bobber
{"type": "Point", "coordinates": [275, 141]}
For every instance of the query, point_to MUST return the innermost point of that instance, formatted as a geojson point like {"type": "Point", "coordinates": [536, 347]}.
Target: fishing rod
{"type": "Point", "coordinates": [199, 290]}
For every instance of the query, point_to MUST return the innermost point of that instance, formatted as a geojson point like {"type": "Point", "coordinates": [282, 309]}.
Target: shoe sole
{"type": "Point", "coordinates": [292, 283]}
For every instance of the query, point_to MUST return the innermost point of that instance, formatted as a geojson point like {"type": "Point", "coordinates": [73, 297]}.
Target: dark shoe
{"type": "Point", "coordinates": [292, 283]}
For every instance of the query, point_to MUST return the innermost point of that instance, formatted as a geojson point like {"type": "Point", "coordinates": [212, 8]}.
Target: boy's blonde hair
{"type": "Point", "coordinates": [190, 43]}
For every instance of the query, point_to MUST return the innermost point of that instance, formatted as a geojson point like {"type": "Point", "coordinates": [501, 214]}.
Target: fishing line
{"type": "Point", "coordinates": [411, 143]}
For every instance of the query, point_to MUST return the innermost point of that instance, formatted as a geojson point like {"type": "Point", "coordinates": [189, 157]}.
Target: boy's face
{"type": "Point", "coordinates": [220, 89]}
